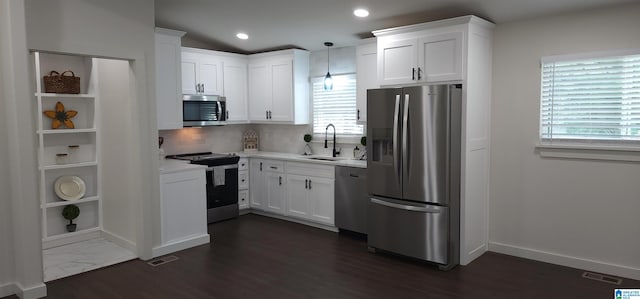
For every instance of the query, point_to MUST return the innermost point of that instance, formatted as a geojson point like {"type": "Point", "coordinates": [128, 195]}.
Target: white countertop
{"type": "Point", "coordinates": [305, 159]}
{"type": "Point", "coordinates": [171, 165]}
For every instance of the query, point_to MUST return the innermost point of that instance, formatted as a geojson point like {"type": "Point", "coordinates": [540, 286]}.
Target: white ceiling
{"type": "Point", "coordinates": [306, 24]}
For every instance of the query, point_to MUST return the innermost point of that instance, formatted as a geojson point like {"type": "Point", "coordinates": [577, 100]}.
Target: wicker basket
{"type": "Point", "coordinates": [59, 83]}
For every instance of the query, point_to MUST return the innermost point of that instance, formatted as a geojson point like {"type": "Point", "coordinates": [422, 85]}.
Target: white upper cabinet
{"type": "Point", "coordinates": [168, 76]}
{"type": "Point", "coordinates": [201, 72]}
{"type": "Point", "coordinates": [366, 77]}
{"type": "Point", "coordinates": [440, 57]}
{"type": "Point", "coordinates": [397, 62]}
{"type": "Point", "coordinates": [423, 53]}
{"type": "Point", "coordinates": [235, 89]}
{"type": "Point", "coordinates": [279, 87]}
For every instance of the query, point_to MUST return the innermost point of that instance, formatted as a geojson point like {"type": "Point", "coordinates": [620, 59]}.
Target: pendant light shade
{"type": "Point", "coordinates": [328, 81]}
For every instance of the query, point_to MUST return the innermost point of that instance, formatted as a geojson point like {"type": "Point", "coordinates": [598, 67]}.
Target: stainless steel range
{"type": "Point", "coordinates": [222, 183]}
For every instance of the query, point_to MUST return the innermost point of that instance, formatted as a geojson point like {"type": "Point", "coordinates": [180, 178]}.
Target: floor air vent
{"type": "Point", "coordinates": [162, 260]}
{"type": "Point", "coordinates": [602, 278]}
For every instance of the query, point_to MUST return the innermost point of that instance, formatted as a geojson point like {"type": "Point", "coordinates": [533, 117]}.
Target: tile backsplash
{"type": "Point", "coordinates": [223, 139]}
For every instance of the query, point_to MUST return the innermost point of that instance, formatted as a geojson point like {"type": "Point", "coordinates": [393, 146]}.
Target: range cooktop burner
{"type": "Point", "coordinates": [207, 158]}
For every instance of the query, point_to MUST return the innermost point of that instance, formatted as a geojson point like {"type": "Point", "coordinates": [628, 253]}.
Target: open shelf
{"type": "Point", "coordinates": [64, 95]}
{"type": "Point", "coordinates": [67, 131]}
{"type": "Point", "coordinates": [71, 202]}
{"type": "Point", "coordinates": [80, 145]}
{"type": "Point", "coordinates": [88, 219]}
{"type": "Point", "coordinates": [84, 106]}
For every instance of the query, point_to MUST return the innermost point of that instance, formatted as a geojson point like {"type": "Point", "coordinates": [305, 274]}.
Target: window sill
{"type": "Point", "coordinates": [589, 152]}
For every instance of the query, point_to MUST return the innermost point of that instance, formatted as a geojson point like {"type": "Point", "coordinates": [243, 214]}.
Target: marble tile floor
{"type": "Point", "coordinates": [75, 258]}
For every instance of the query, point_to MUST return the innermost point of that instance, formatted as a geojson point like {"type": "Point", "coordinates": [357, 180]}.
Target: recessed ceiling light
{"type": "Point", "coordinates": [242, 35]}
{"type": "Point", "coordinates": [361, 13]}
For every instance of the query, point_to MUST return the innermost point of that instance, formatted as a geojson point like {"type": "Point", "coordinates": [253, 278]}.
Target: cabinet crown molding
{"type": "Point", "coordinates": [435, 24]}
{"type": "Point", "coordinates": [170, 32]}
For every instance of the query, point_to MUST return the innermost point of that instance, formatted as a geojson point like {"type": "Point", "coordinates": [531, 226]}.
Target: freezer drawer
{"type": "Point", "coordinates": [411, 229]}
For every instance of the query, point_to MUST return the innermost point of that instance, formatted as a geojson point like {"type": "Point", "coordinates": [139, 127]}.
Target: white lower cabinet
{"type": "Point", "coordinates": [267, 185]}
{"type": "Point", "coordinates": [275, 193]}
{"type": "Point", "coordinates": [258, 184]}
{"type": "Point", "coordinates": [298, 190]}
{"type": "Point", "coordinates": [310, 192]}
{"type": "Point", "coordinates": [243, 184]}
{"type": "Point", "coordinates": [183, 205]}
{"type": "Point", "coordinates": [297, 200]}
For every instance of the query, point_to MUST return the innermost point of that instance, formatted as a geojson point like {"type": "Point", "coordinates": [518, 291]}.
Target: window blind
{"type": "Point", "coordinates": [594, 100]}
{"type": "Point", "coordinates": [337, 106]}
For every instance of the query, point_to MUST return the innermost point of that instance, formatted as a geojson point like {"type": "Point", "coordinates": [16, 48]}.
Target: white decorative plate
{"type": "Point", "coordinates": [69, 187]}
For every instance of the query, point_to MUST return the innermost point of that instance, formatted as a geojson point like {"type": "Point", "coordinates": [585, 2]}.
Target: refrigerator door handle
{"type": "Point", "coordinates": [406, 207]}
{"type": "Point", "coordinates": [396, 145]}
{"type": "Point", "coordinates": [405, 137]}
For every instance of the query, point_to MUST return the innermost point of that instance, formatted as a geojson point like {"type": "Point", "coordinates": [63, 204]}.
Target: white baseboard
{"type": "Point", "coordinates": [71, 239]}
{"type": "Point", "coordinates": [180, 245]}
{"type": "Point", "coordinates": [565, 260]}
{"type": "Point", "coordinates": [291, 219]}
{"type": "Point", "coordinates": [8, 289]}
{"type": "Point", "coordinates": [120, 241]}
{"type": "Point", "coordinates": [34, 292]}
{"type": "Point", "coordinates": [473, 254]}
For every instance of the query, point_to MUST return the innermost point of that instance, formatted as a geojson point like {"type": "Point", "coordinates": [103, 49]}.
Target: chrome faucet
{"type": "Point", "coordinates": [335, 152]}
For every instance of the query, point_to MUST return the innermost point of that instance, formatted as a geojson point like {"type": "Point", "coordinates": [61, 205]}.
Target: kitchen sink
{"type": "Point", "coordinates": [325, 158]}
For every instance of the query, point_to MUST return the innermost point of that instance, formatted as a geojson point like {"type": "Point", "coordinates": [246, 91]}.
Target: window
{"type": "Point", "coordinates": [591, 99]}
{"type": "Point", "coordinates": [337, 106]}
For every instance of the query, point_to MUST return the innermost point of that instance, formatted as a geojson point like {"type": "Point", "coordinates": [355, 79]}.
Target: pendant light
{"type": "Point", "coordinates": [328, 81]}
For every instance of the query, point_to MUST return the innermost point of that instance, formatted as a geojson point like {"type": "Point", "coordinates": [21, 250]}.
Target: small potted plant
{"type": "Point", "coordinates": [362, 154]}
{"type": "Point", "coordinates": [307, 149]}
{"type": "Point", "coordinates": [71, 212]}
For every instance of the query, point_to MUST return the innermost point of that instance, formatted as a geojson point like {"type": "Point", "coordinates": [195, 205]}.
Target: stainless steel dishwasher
{"type": "Point", "coordinates": [351, 199]}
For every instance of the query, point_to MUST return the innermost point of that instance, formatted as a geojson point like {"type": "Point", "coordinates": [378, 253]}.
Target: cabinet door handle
{"type": "Point", "coordinates": [273, 167]}
{"type": "Point", "coordinates": [419, 76]}
{"type": "Point", "coordinates": [309, 184]}
{"type": "Point", "coordinates": [202, 87]}
{"type": "Point", "coordinates": [260, 166]}
{"type": "Point", "coordinates": [306, 184]}
{"type": "Point", "coordinates": [280, 180]}
{"type": "Point", "coordinates": [226, 118]}
{"type": "Point", "coordinates": [358, 114]}
{"type": "Point", "coordinates": [353, 175]}
{"type": "Point", "coordinates": [198, 87]}
{"type": "Point", "coordinates": [413, 73]}
{"type": "Point", "coordinates": [267, 114]}
{"type": "Point", "coordinates": [243, 180]}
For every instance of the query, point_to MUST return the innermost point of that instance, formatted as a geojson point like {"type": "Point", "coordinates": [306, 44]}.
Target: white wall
{"type": "Point", "coordinates": [578, 213]}
{"type": "Point", "coordinates": [26, 278]}
{"type": "Point", "coordinates": [113, 29]}
{"type": "Point", "coordinates": [7, 275]}
{"type": "Point", "coordinates": [118, 205]}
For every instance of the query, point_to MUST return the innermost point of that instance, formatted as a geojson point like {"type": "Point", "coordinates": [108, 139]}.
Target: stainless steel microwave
{"type": "Point", "coordinates": [203, 110]}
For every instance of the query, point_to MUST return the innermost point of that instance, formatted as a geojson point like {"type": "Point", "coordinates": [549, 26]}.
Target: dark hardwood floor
{"type": "Point", "coordinates": [260, 257]}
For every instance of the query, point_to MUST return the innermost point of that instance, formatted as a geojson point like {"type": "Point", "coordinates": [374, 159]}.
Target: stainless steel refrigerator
{"type": "Point", "coordinates": [413, 170]}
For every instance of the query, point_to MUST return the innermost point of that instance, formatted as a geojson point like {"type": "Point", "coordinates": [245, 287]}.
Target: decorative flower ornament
{"type": "Point", "coordinates": [61, 117]}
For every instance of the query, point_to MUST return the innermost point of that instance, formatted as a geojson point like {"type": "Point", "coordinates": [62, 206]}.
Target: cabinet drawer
{"type": "Point", "coordinates": [243, 164]}
{"type": "Point", "coordinates": [323, 171]}
{"type": "Point", "coordinates": [243, 180]}
{"type": "Point", "coordinates": [273, 166]}
{"type": "Point", "coordinates": [243, 199]}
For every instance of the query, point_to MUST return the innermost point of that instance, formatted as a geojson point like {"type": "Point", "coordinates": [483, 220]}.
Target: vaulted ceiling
{"type": "Point", "coordinates": [306, 24]}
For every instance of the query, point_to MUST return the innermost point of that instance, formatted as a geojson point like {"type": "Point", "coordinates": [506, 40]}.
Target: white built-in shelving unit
{"type": "Point", "coordinates": [82, 161]}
